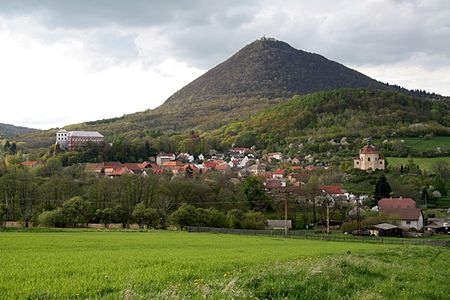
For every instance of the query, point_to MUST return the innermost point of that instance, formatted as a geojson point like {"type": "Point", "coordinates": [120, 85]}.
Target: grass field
{"type": "Point", "coordinates": [143, 265]}
{"type": "Point", "coordinates": [424, 163]}
{"type": "Point", "coordinates": [421, 144]}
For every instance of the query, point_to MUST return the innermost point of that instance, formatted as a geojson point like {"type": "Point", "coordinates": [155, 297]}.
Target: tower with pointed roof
{"type": "Point", "coordinates": [369, 159]}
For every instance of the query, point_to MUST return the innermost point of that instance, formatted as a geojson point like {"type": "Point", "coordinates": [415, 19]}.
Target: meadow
{"type": "Point", "coordinates": [157, 264]}
{"type": "Point", "coordinates": [425, 163]}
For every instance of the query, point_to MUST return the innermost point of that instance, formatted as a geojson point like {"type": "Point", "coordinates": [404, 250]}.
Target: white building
{"type": "Point", "coordinates": [75, 140]}
{"type": "Point", "coordinates": [369, 159]}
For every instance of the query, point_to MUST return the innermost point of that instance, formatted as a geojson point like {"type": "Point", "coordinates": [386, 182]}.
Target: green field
{"type": "Point", "coordinates": [424, 163]}
{"type": "Point", "coordinates": [421, 144]}
{"type": "Point", "coordinates": [143, 265]}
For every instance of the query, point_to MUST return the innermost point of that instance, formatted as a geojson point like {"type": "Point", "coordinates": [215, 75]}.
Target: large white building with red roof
{"type": "Point", "coordinates": [369, 159]}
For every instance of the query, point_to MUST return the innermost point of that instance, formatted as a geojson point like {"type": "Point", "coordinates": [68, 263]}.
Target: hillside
{"type": "Point", "coordinates": [8, 131]}
{"type": "Point", "coordinates": [335, 114]}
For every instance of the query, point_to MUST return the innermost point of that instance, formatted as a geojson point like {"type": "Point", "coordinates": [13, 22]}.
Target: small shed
{"type": "Point", "coordinates": [386, 229]}
{"type": "Point", "coordinates": [279, 224]}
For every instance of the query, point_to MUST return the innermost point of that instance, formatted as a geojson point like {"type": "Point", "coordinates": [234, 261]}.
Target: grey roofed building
{"type": "Point", "coordinates": [385, 226]}
{"type": "Point", "coordinates": [92, 134]}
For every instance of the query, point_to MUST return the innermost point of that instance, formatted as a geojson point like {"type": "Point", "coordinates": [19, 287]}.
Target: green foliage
{"type": "Point", "coordinates": [185, 215]}
{"type": "Point", "coordinates": [3, 210]}
{"type": "Point", "coordinates": [255, 220]}
{"type": "Point", "coordinates": [148, 216]}
{"type": "Point", "coordinates": [382, 189]}
{"type": "Point", "coordinates": [76, 211]}
{"type": "Point", "coordinates": [254, 192]}
{"type": "Point", "coordinates": [52, 218]}
{"type": "Point", "coordinates": [236, 218]}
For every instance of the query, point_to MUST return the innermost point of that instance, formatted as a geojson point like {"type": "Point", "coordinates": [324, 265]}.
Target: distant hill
{"type": "Point", "coordinates": [8, 131]}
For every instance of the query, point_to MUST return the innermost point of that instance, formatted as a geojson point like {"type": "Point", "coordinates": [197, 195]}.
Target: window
{"type": "Point", "coordinates": [368, 159]}
{"type": "Point", "coordinates": [408, 222]}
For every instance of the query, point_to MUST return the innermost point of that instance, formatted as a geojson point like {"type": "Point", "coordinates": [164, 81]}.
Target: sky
{"type": "Point", "coordinates": [65, 61]}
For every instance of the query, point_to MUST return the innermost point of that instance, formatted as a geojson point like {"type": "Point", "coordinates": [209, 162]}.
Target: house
{"type": "Point", "coordinates": [369, 159]}
{"type": "Point", "coordinates": [239, 151]}
{"type": "Point", "coordinates": [257, 169]}
{"type": "Point", "coordinates": [278, 174]}
{"type": "Point", "coordinates": [274, 156]}
{"type": "Point", "coordinates": [403, 208]}
{"type": "Point", "coordinates": [334, 191]}
{"type": "Point", "coordinates": [75, 140]}
{"type": "Point", "coordinates": [30, 163]}
{"type": "Point", "coordinates": [298, 179]}
{"type": "Point", "coordinates": [163, 157]}
{"type": "Point", "coordinates": [201, 157]}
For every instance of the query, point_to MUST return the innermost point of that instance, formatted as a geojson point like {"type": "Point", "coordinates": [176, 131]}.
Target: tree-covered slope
{"type": "Point", "coordinates": [339, 113]}
{"type": "Point", "coordinates": [7, 130]}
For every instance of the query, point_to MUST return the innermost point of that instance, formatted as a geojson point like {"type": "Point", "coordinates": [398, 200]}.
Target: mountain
{"type": "Point", "coordinates": [8, 131]}
{"type": "Point", "coordinates": [268, 68]}
{"type": "Point", "coordinates": [261, 74]}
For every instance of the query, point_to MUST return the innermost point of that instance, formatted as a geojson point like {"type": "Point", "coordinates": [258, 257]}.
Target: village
{"type": "Point", "coordinates": [281, 176]}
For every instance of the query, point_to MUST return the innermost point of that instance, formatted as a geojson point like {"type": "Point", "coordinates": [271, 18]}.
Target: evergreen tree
{"type": "Point", "coordinates": [382, 188]}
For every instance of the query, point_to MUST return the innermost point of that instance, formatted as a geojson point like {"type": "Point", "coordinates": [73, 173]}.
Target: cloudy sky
{"type": "Point", "coordinates": [65, 61]}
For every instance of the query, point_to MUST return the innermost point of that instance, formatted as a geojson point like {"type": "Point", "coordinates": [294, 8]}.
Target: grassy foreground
{"type": "Point", "coordinates": [140, 265]}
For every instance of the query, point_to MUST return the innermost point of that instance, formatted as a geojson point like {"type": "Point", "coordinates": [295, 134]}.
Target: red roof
{"type": "Point", "coordinates": [273, 184]}
{"type": "Point", "coordinates": [332, 189]}
{"type": "Point", "coordinates": [396, 203]}
{"type": "Point", "coordinates": [403, 213]}
{"type": "Point", "coordinates": [209, 164]}
{"type": "Point", "coordinates": [175, 163]}
{"type": "Point", "coordinates": [278, 172]}
{"type": "Point", "coordinates": [121, 171]}
{"type": "Point", "coordinates": [222, 166]}
{"type": "Point", "coordinates": [368, 149]}
{"type": "Point", "coordinates": [30, 163]}
{"type": "Point", "coordinates": [111, 164]}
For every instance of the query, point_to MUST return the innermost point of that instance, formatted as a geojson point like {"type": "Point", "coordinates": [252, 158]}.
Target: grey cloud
{"type": "Point", "coordinates": [203, 33]}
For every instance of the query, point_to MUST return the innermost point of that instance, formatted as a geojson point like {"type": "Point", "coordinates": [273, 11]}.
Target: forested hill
{"type": "Point", "coordinates": [8, 131]}
{"type": "Point", "coordinates": [268, 68]}
{"type": "Point", "coordinates": [341, 113]}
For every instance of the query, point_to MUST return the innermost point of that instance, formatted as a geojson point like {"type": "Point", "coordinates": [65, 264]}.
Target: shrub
{"type": "Point", "coordinates": [185, 215]}
{"type": "Point", "coordinates": [147, 216]}
{"type": "Point", "coordinates": [236, 218]}
{"type": "Point", "coordinates": [76, 210]}
{"type": "Point", "coordinates": [255, 220]}
{"type": "Point", "coordinates": [52, 218]}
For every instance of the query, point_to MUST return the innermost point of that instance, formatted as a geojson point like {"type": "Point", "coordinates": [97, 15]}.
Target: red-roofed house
{"type": "Point", "coordinates": [396, 203]}
{"type": "Point", "coordinates": [334, 190]}
{"type": "Point", "coordinates": [278, 174]}
{"type": "Point", "coordinates": [403, 208]}
{"type": "Point", "coordinates": [30, 163]}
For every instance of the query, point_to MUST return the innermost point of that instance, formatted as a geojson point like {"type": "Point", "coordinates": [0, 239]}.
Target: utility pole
{"type": "Point", "coordinates": [328, 217]}
{"type": "Point", "coordinates": [285, 215]}
{"type": "Point", "coordinates": [358, 217]}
